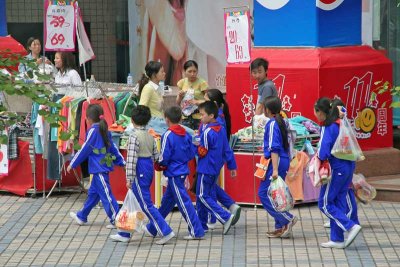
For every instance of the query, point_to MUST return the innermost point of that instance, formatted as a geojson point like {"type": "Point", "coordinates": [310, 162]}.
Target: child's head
{"type": "Point", "coordinates": [95, 114]}
{"type": "Point", "coordinates": [191, 69]}
{"type": "Point", "coordinates": [208, 111]}
{"type": "Point", "coordinates": [272, 106]}
{"type": "Point", "coordinates": [173, 115]}
{"type": "Point", "coordinates": [216, 96]}
{"type": "Point", "coordinates": [141, 115]}
{"type": "Point", "coordinates": [259, 69]}
{"type": "Point", "coordinates": [326, 111]}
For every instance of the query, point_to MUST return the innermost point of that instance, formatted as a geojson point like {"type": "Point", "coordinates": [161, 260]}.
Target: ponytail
{"type": "Point", "coordinates": [227, 116]}
{"type": "Point", "coordinates": [142, 82]}
{"type": "Point", "coordinates": [283, 129]}
{"type": "Point", "coordinates": [103, 127]}
{"type": "Point", "coordinates": [329, 107]}
{"type": "Point", "coordinates": [96, 114]}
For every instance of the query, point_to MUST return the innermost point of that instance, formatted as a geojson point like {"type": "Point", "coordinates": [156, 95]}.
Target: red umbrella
{"type": "Point", "coordinates": [9, 48]}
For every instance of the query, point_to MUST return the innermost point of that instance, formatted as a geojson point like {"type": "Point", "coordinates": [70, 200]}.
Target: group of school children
{"type": "Point", "coordinates": [213, 151]}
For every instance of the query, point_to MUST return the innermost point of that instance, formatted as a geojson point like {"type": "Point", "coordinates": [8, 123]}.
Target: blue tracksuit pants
{"type": "Point", "coordinates": [176, 194]}
{"type": "Point", "coordinates": [352, 212]}
{"type": "Point", "coordinates": [222, 197]}
{"type": "Point", "coordinates": [205, 202]}
{"type": "Point", "coordinates": [333, 201]}
{"type": "Point", "coordinates": [141, 189]}
{"type": "Point", "coordinates": [281, 218]}
{"type": "Point", "coordinates": [100, 190]}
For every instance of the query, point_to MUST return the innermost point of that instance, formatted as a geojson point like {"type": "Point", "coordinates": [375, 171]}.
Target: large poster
{"type": "Point", "coordinates": [60, 29]}
{"type": "Point", "coordinates": [174, 31]}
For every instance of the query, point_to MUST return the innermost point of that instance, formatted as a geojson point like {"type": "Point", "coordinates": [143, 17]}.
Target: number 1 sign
{"type": "Point", "coordinates": [60, 21]}
{"type": "Point", "coordinates": [237, 37]}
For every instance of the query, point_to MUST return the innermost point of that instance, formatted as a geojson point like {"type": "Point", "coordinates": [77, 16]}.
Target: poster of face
{"type": "Point", "coordinates": [174, 31]}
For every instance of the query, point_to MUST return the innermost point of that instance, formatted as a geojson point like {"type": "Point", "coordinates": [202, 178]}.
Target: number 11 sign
{"type": "Point", "coordinates": [60, 21]}
{"type": "Point", "coordinates": [237, 36]}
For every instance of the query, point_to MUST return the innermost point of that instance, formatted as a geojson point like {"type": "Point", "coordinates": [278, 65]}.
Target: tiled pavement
{"type": "Point", "coordinates": [36, 232]}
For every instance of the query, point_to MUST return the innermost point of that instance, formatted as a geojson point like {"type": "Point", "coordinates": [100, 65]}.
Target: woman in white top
{"type": "Point", "coordinates": [65, 64]}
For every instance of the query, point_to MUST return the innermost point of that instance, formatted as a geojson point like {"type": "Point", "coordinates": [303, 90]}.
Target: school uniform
{"type": "Point", "coordinates": [352, 211]}
{"type": "Point", "coordinates": [142, 152]}
{"type": "Point", "coordinates": [333, 201]}
{"type": "Point", "coordinates": [219, 194]}
{"type": "Point", "coordinates": [273, 143]}
{"type": "Point", "coordinates": [100, 188]}
{"type": "Point", "coordinates": [177, 150]}
{"type": "Point", "coordinates": [213, 152]}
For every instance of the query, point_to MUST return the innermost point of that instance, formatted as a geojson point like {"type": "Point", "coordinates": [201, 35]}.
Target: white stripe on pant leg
{"type": "Point", "coordinates": [178, 194]}
{"type": "Point", "coordinates": [349, 205]}
{"type": "Point", "coordinates": [324, 207]}
{"type": "Point", "coordinates": [114, 213]}
{"type": "Point", "coordinates": [282, 213]}
{"type": "Point", "coordinates": [205, 202]}
{"type": "Point", "coordinates": [145, 207]}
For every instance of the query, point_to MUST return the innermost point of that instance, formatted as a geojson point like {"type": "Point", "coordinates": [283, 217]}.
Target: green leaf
{"type": "Point", "coordinates": [54, 125]}
{"type": "Point", "coordinates": [64, 136]}
{"type": "Point", "coordinates": [77, 146]}
{"type": "Point", "coordinates": [103, 150]}
{"type": "Point", "coordinates": [96, 151]}
{"type": "Point", "coordinates": [62, 118]}
{"type": "Point", "coordinates": [43, 112]}
{"type": "Point", "coordinates": [3, 139]}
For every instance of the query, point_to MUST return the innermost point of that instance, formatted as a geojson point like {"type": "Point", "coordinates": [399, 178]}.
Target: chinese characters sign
{"type": "Point", "coordinates": [60, 21]}
{"type": "Point", "coordinates": [237, 37]}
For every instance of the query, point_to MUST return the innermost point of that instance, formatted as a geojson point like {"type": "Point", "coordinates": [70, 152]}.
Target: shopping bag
{"type": "Point", "coordinates": [130, 217]}
{"type": "Point", "coordinates": [319, 173]}
{"type": "Point", "coordinates": [364, 192]}
{"type": "Point", "coordinates": [187, 107]}
{"type": "Point", "coordinates": [346, 146]}
{"type": "Point", "coordinates": [262, 168]}
{"type": "Point", "coordinates": [280, 195]}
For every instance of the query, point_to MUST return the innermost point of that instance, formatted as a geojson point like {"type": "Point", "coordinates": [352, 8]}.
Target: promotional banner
{"type": "Point", "coordinates": [60, 25]}
{"type": "Point", "coordinates": [301, 76]}
{"type": "Point", "coordinates": [318, 23]}
{"type": "Point", "coordinates": [237, 36]}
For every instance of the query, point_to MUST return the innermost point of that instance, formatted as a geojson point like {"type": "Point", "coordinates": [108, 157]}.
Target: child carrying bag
{"type": "Point", "coordinates": [319, 173]}
{"type": "Point", "coordinates": [262, 168]}
{"type": "Point", "coordinates": [280, 195]}
{"type": "Point", "coordinates": [346, 146]}
{"type": "Point", "coordinates": [130, 217]}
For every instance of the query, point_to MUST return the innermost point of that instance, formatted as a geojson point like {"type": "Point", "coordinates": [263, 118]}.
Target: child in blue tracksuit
{"type": "Point", "coordinates": [332, 201]}
{"type": "Point", "coordinates": [276, 148]}
{"type": "Point", "coordinates": [177, 150]}
{"type": "Point", "coordinates": [213, 152]}
{"type": "Point", "coordinates": [224, 119]}
{"type": "Point", "coordinates": [141, 155]}
{"type": "Point", "coordinates": [98, 138]}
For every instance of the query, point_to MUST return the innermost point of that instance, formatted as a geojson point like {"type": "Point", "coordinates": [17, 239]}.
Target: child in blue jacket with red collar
{"type": "Point", "coordinates": [177, 150]}
{"type": "Point", "coordinates": [333, 195]}
{"type": "Point", "coordinates": [97, 138]}
{"type": "Point", "coordinates": [213, 152]}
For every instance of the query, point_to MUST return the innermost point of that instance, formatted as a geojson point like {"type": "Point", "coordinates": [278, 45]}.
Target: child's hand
{"type": "Point", "coordinates": [274, 174]}
{"type": "Point", "coordinates": [128, 184]}
{"type": "Point", "coordinates": [69, 168]}
{"type": "Point", "coordinates": [233, 173]}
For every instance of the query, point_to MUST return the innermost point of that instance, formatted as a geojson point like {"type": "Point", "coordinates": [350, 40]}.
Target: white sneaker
{"type": "Point", "coordinates": [119, 238]}
{"type": "Point", "coordinates": [327, 224]}
{"type": "Point", "coordinates": [211, 226]}
{"type": "Point", "coordinates": [332, 244]}
{"type": "Point", "coordinates": [353, 232]}
{"type": "Point", "coordinates": [165, 239]}
{"type": "Point", "coordinates": [228, 224]}
{"type": "Point", "coordinates": [190, 237]}
{"type": "Point", "coordinates": [235, 210]}
{"type": "Point", "coordinates": [111, 226]}
{"type": "Point", "coordinates": [146, 231]}
{"type": "Point", "coordinates": [75, 217]}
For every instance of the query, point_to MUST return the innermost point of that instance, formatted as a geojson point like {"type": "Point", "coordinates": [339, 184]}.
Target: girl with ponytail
{"type": "Point", "coordinates": [102, 154]}
{"type": "Point", "coordinates": [224, 117]}
{"type": "Point", "coordinates": [333, 200]}
{"type": "Point", "coordinates": [276, 148]}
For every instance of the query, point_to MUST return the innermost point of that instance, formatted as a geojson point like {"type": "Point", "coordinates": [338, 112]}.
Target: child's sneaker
{"type": "Point", "coordinates": [165, 239]}
{"type": "Point", "coordinates": [228, 224]}
{"type": "Point", "coordinates": [235, 210]}
{"type": "Point", "coordinates": [119, 238]}
{"type": "Point", "coordinates": [190, 237]}
{"type": "Point", "coordinates": [75, 217]}
{"type": "Point", "coordinates": [111, 226]}
{"type": "Point", "coordinates": [211, 226]}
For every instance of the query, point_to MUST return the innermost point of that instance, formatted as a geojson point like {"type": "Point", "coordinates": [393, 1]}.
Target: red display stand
{"type": "Point", "coordinates": [302, 75]}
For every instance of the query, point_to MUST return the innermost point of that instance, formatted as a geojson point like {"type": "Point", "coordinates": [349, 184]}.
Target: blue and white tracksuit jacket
{"type": "Point", "coordinates": [100, 186]}
{"type": "Point", "coordinates": [273, 143]}
{"type": "Point", "coordinates": [333, 199]}
{"type": "Point", "coordinates": [177, 150]}
{"type": "Point", "coordinates": [213, 152]}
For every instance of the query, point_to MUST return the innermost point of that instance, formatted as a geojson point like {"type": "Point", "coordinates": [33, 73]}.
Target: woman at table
{"type": "Point", "coordinates": [66, 74]}
{"type": "Point", "coordinates": [195, 85]}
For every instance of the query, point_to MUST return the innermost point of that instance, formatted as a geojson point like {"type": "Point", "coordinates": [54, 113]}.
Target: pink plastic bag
{"type": "Point", "coordinates": [280, 195]}
{"type": "Point", "coordinates": [319, 173]}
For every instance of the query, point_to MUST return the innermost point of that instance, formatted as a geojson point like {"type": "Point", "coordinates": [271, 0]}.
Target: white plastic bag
{"type": "Point", "coordinates": [363, 190]}
{"type": "Point", "coordinates": [346, 146]}
{"type": "Point", "coordinates": [130, 217]}
{"type": "Point", "coordinates": [280, 195]}
{"type": "Point", "coordinates": [187, 107]}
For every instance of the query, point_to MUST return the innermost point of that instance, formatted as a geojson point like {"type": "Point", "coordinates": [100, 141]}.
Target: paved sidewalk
{"type": "Point", "coordinates": [36, 232]}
